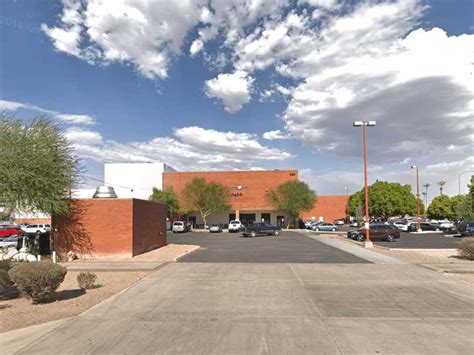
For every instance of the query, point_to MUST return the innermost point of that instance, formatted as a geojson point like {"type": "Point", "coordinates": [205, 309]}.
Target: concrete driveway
{"type": "Point", "coordinates": [248, 308]}
{"type": "Point", "coordinates": [290, 247]}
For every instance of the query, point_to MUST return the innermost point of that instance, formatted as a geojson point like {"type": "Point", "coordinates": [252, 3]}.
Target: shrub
{"type": "Point", "coordinates": [7, 289]}
{"type": "Point", "coordinates": [38, 280]}
{"type": "Point", "coordinates": [5, 265]}
{"type": "Point", "coordinates": [86, 280]}
{"type": "Point", "coordinates": [466, 248]}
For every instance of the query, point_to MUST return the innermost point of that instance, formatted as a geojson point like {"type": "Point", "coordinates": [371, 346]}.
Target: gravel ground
{"type": "Point", "coordinates": [425, 256]}
{"type": "Point", "coordinates": [71, 301]}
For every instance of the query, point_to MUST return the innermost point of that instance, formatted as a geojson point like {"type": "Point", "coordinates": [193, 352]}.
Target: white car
{"type": "Point", "coordinates": [179, 227]}
{"type": "Point", "coordinates": [401, 226]}
{"type": "Point", "coordinates": [446, 224]}
{"type": "Point", "coordinates": [234, 226]}
{"type": "Point", "coordinates": [37, 228]}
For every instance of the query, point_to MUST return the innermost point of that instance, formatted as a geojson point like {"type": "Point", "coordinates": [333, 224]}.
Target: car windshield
{"type": "Point", "coordinates": [32, 226]}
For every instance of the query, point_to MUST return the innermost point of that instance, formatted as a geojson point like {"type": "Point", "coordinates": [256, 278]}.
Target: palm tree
{"type": "Point", "coordinates": [441, 184]}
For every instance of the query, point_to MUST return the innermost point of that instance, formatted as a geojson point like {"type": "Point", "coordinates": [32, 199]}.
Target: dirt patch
{"type": "Point", "coordinates": [71, 301]}
{"type": "Point", "coordinates": [425, 256]}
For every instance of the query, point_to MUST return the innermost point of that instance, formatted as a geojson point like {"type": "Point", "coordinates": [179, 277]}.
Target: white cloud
{"type": "Point", "coordinates": [63, 117]}
{"type": "Point", "coordinates": [148, 36]}
{"type": "Point", "coordinates": [196, 47]}
{"type": "Point", "coordinates": [194, 148]}
{"type": "Point", "coordinates": [80, 136]}
{"type": "Point", "coordinates": [232, 89]}
{"type": "Point", "coordinates": [334, 181]}
{"type": "Point", "coordinates": [277, 134]}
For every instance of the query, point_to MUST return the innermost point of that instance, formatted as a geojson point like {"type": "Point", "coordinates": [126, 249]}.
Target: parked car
{"type": "Point", "coordinates": [215, 228]}
{"type": "Point", "coordinates": [466, 229]}
{"type": "Point", "coordinates": [377, 232]}
{"type": "Point", "coordinates": [37, 229]}
{"type": "Point", "coordinates": [446, 224]}
{"type": "Point", "coordinates": [403, 226]}
{"type": "Point", "coordinates": [354, 224]}
{"type": "Point", "coordinates": [326, 227]}
{"type": "Point", "coordinates": [8, 242]}
{"type": "Point", "coordinates": [423, 226]}
{"type": "Point", "coordinates": [314, 224]}
{"type": "Point", "coordinates": [235, 226]}
{"type": "Point", "coordinates": [8, 230]}
{"type": "Point", "coordinates": [180, 227]}
{"type": "Point", "coordinates": [261, 228]}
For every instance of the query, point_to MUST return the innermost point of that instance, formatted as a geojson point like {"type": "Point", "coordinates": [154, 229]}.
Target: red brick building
{"type": "Point", "coordinates": [248, 191]}
{"type": "Point", "coordinates": [328, 208]}
{"type": "Point", "coordinates": [111, 227]}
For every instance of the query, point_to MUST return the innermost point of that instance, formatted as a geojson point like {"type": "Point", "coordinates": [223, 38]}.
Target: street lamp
{"type": "Point", "coordinates": [417, 198]}
{"type": "Point", "coordinates": [364, 124]}
{"type": "Point", "coordinates": [459, 178]}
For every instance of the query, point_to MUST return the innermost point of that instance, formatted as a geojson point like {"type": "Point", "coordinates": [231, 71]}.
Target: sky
{"type": "Point", "coordinates": [251, 84]}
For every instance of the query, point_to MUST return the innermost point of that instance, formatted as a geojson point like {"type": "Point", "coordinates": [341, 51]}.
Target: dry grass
{"type": "Point", "coordinates": [70, 301]}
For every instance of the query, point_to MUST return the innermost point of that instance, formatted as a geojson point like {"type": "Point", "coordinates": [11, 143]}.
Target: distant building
{"type": "Point", "coordinates": [135, 180]}
{"type": "Point", "coordinates": [248, 190]}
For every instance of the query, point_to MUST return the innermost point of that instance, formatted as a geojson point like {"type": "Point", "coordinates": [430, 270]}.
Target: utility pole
{"type": "Point", "coordinates": [364, 125]}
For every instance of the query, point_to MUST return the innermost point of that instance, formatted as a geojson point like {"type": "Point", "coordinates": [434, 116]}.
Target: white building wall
{"type": "Point", "coordinates": [135, 180]}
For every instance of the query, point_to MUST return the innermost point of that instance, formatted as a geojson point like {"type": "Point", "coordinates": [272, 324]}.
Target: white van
{"type": "Point", "coordinates": [234, 226]}
{"type": "Point", "coordinates": [179, 227]}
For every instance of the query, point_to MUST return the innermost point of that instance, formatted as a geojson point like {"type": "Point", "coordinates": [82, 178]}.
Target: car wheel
{"type": "Point", "coordinates": [360, 238]}
{"type": "Point", "coordinates": [437, 229]}
{"type": "Point", "coordinates": [253, 234]}
{"type": "Point", "coordinates": [276, 233]}
{"type": "Point", "coordinates": [38, 232]}
{"type": "Point", "coordinates": [317, 229]}
{"type": "Point", "coordinates": [334, 229]}
{"type": "Point", "coordinates": [390, 238]}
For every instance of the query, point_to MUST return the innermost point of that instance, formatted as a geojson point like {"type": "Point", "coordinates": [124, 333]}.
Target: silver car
{"type": "Point", "coordinates": [215, 228]}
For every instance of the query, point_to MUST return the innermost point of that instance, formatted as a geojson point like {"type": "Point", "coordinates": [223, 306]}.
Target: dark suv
{"type": "Point", "coordinates": [377, 232]}
{"type": "Point", "coordinates": [261, 228]}
{"type": "Point", "coordinates": [466, 229]}
{"type": "Point", "coordinates": [423, 226]}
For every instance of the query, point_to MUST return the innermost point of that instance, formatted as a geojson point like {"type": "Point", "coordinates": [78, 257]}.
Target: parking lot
{"type": "Point", "coordinates": [422, 241]}
{"type": "Point", "coordinates": [290, 247]}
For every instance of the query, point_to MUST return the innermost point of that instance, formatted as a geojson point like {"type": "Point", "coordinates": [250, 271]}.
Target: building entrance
{"type": "Point", "coordinates": [247, 218]}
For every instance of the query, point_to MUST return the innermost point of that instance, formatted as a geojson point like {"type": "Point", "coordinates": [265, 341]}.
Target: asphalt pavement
{"type": "Point", "coordinates": [422, 241]}
{"type": "Point", "coordinates": [289, 247]}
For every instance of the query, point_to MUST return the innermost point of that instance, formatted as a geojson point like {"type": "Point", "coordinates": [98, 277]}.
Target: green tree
{"type": "Point", "coordinates": [462, 206]}
{"type": "Point", "coordinates": [206, 197]}
{"type": "Point", "coordinates": [169, 197]}
{"type": "Point", "coordinates": [386, 199]}
{"type": "Point", "coordinates": [292, 197]}
{"type": "Point", "coordinates": [440, 208]}
{"type": "Point", "coordinates": [37, 165]}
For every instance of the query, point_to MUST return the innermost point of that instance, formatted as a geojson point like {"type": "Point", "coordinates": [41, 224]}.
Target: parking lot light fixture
{"type": "Point", "coordinates": [418, 229]}
{"type": "Point", "coordinates": [364, 124]}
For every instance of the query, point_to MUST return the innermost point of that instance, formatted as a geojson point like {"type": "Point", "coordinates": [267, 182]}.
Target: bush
{"type": "Point", "coordinates": [38, 280]}
{"type": "Point", "coordinates": [466, 248]}
{"type": "Point", "coordinates": [5, 265]}
{"type": "Point", "coordinates": [7, 289]}
{"type": "Point", "coordinates": [86, 280]}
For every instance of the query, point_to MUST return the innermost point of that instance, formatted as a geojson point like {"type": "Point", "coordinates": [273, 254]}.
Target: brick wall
{"type": "Point", "coordinates": [255, 185]}
{"type": "Point", "coordinates": [149, 226]}
{"type": "Point", "coordinates": [328, 207]}
{"type": "Point", "coordinates": [103, 227]}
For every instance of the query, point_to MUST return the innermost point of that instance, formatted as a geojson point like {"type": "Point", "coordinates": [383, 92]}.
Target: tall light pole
{"type": "Point", "coordinates": [459, 178]}
{"type": "Point", "coordinates": [417, 198]}
{"type": "Point", "coordinates": [364, 125]}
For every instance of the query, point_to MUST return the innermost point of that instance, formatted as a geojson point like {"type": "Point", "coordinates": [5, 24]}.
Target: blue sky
{"type": "Point", "coordinates": [249, 84]}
